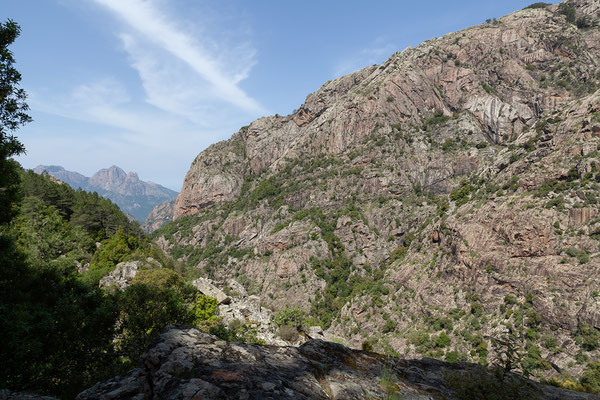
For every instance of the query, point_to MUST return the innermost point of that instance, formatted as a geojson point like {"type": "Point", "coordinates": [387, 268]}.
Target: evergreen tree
{"type": "Point", "coordinates": [12, 115]}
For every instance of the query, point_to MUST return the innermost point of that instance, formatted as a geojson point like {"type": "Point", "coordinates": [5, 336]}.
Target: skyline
{"type": "Point", "coordinates": [147, 85]}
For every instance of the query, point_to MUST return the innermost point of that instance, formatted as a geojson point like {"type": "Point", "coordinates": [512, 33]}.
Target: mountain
{"type": "Point", "coordinates": [159, 216]}
{"type": "Point", "coordinates": [73, 179]}
{"type": "Point", "coordinates": [430, 205]}
{"type": "Point", "coordinates": [132, 195]}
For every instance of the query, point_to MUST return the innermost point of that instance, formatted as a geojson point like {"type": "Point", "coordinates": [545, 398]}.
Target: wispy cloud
{"type": "Point", "coordinates": [104, 101]}
{"type": "Point", "coordinates": [376, 53]}
{"type": "Point", "coordinates": [146, 20]}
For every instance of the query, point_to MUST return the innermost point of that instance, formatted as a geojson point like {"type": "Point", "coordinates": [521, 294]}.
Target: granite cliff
{"type": "Point", "coordinates": [426, 205]}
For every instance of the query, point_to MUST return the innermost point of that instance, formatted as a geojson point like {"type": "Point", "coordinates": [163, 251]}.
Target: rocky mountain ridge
{"type": "Point", "coordinates": [186, 363]}
{"type": "Point", "coordinates": [427, 205]}
{"type": "Point", "coordinates": [134, 196]}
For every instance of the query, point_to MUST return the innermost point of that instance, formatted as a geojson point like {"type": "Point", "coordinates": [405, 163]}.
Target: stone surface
{"type": "Point", "coordinates": [8, 395]}
{"type": "Point", "coordinates": [208, 288]}
{"type": "Point", "coordinates": [160, 215]}
{"type": "Point", "coordinates": [120, 277]}
{"type": "Point", "coordinates": [185, 363]}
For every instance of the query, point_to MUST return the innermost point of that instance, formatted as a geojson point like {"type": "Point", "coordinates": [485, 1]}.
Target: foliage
{"type": "Point", "coordinates": [460, 194]}
{"type": "Point", "coordinates": [480, 383]}
{"type": "Point", "coordinates": [12, 115]}
{"type": "Point", "coordinates": [205, 309]}
{"type": "Point", "coordinates": [111, 252]}
{"type": "Point", "coordinates": [508, 349]}
{"type": "Point", "coordinates": [590, 336]}
{"type": "Point", "coordinates": [537, 5]}
{"type": "Point", "coordinates": [160, 277]}
{"type": "Point", "coordinates": [57, 331]}
{"type": "Point", "coordinates": [438, 118]}
{"type": "Point", "coordinates": [288, 333]}
{"type": "Point", "coordinates": [290, 316]}
{"type": "Point", "coordinates": [590, 379]}
{"type": "Point", "coordinates": [144, 312]}
{"type": "Point", "coordinates": [569, 11]}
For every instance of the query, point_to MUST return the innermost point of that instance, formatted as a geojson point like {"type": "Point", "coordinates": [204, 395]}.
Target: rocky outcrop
{"type": "Point", "coordinates": [8, 395]}
{"type": "Point", "coordinates": [248, 310]}
{"type": "Point", "coordinates": [135, 197]}
{"type": "Point", "coordinates": [185, 363]}
{"type": "Point", "coordinates": [160, 215]}
{"type": "Point", "coordinates": [207, 287]}
{"type": "Point", "coordinates": [123, 273]}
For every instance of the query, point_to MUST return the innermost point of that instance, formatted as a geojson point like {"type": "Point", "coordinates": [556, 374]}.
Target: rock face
{"type": "Point", "coordinates": [206, 287]}
{"type": "Point", "coordinates": [160, 215]}
{"type": "Point", "coordinates": [484, 70]}
{"type": "Point", "coordinates": [185, 363]}
{"type": "Point", "coordinates": [133, 196]}
{"type": "Point", "coordinates": [120, 277]}
{"type": "Point", "coordinates": [450, 192]}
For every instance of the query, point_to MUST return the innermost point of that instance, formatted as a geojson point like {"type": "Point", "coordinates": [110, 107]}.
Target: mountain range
{"type": "Point", "coordinates": [134, 196]}
{"type": "Point", "coordinates": [429, 205]}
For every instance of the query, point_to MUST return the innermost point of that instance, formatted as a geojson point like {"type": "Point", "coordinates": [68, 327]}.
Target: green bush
{"type": "Point", "coordinates": [442, 340]}
{"type": "Point", "coordinates": [144, 312]}
{"type": "Point", "coordinates": [590, 336]}
{"type": "Point", "coordinates": [290, 316]}
{"type": "Point", "coordinates": [389, 326]}
{"type": "Point", "coordinates": [569, 11]}
{"type": "Point", "coordinates": [205, 309]}
{"type": "Point", "coordinates": [160, 277]}
{"type": "Point", "coordinates": [590, 379]}
{"type": "Point", "coordinates": [455, 356]}
{"type": "Point", "coordinates": [537, 5]}
{"type": "Point", "coordinates": [288, 333]}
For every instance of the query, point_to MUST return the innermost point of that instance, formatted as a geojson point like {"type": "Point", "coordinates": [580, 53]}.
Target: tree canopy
{"type": "Point", "coordinates": [13, 114]}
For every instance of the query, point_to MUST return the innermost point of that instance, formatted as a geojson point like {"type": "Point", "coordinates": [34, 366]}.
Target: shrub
{"type": "Point", "coordinates": [455, 356]}
{"type": "Point", "coordinates": [145, 311]}
{"type": "Point", "coordinates": [487, 88]}
{"type": "Point", "coordinates": [389, 326]}
{"type": "Point", "coordinates": [290, 316]}
{"type": "Point", "coordinates": [590, 337]}
{"type": "Point", "coordinates": [549, 342]}
{"type": "Point", "coordinates": [160, 277]}
{"type": "Point", "coordinates": [288, 333]}
{"type": "Point", "coordinates": [537, 5]}
{"type": "Point", "coordinates": [569, 11]}
{"type": "Point", "coordinates": [205, 309]}
{"type": "Point", "coordinates": [590, 379]}
{"type": "Point", "coordinates": [442, 340]}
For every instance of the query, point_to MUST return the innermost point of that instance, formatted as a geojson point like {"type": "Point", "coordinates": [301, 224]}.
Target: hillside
{"type": "Point", "coordinates": [134, 196]}
{"type": "Point", "coordinates": [430, 205]}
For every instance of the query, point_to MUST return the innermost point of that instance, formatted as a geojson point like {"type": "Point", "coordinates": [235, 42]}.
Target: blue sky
{"type": "Point", "coordinates": [148, 84]}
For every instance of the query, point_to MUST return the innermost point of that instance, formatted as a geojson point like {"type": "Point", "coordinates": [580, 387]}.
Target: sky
{"type": "Point", "coordinates": [148, 84]}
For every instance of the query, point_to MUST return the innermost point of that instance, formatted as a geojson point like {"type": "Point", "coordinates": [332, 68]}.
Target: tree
{"type": "Point", "coordinates": [12, 115]}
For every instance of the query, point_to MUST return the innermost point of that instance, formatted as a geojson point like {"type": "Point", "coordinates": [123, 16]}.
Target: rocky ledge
{"type": "Point", "coordinates": [186, 363]}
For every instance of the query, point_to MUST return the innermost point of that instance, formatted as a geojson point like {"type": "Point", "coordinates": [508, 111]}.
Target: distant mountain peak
{"type": "Point", "coordinates": [131, 194]}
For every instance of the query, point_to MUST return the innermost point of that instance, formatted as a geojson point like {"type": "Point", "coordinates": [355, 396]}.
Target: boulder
{"type": "Point", "coordinates": [208, 288]}
{"type": "Point", "coordinates": [120, 277]}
